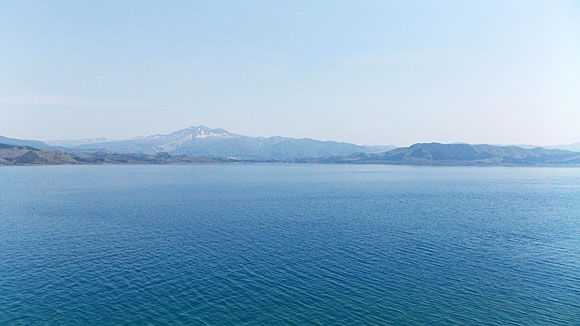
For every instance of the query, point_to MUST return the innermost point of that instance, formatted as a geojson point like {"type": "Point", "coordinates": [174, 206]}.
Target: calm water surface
{"type": "Point", "coordinates": [289, 245]}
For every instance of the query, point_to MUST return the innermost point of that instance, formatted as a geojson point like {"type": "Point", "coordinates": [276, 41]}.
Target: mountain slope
{"type": "Point", "coordinates": [575, 147]}
{"type": "Point", "coordinates": [204, 141]}
{"type": "Point", "coordinates": [24, 155]}
{"type": "Point", "coordinates": [464, 154]}
{"type": "Point", "coordinates": [21, 142]}
{"type": "Point", "coordinates": [76, 142]}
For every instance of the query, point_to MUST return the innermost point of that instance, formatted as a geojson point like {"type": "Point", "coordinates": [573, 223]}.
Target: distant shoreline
{"type": "Point", "coordinates": [302, 163]}
{"type": "Point", "coordinates": [421, 154]}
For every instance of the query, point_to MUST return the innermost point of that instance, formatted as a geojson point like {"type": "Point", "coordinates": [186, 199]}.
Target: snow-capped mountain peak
{"type": "Point", "coordinates": [200, 132]}
{"type": "Point", "coordinates": [204, 141]}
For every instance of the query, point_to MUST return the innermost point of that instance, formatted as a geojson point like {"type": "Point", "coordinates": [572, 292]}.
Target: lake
{"type": "Point", "coordinates": [262, 244]}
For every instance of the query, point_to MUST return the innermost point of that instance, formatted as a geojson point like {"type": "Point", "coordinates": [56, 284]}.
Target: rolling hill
{"type": "Point", "coordinates": [463, 154]}
{"type": "Point", "coordinates": [24, 155]}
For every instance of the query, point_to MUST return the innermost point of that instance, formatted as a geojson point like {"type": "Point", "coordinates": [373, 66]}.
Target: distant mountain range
{"type": "Point", "coordinates": [462, 154]}
{"type": "Point", "coordinates": [418, 154]}
{"type": "Point", "coordinates": [575, 147]}
{"type": "Point", "coordinates": [24, 155]}
{"type": "Point", "coordinates": [202, 144]}
{"type": "Point", "coordinates": [76, 142]}
{"type": "Point", "coordinates": [20, 142]}
{"type": "Point", "coordinates": [207, 142]}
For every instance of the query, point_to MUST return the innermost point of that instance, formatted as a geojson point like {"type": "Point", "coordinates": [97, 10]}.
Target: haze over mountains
{"type": "Point", "coordinates": [24, 155]}
{"type": "Point", "coordinates": [574, 147]}
{"type": "Point", "coordinates": [464, 154]}
{"type": "Point", "coordinates": [418, 154]}
{"type": "Point", "coordinates": [208, 142]}
{"type": "Point", "coordinates": [21, 142]}
{"type": "Point", "coordinates": [198, 144]}
{"type": "Point", "coordinates": [76, 142]}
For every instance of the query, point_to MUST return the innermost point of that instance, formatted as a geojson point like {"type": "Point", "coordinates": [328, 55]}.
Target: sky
{"type": "Point", "coordinates": [367, 72]}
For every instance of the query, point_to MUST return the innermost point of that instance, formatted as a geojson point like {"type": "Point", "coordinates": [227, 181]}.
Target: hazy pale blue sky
{"type": "Point", "coordinates": [368, 72]}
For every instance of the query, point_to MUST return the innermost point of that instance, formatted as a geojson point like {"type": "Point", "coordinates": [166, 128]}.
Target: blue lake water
{"type": "Point", "coordinates": [289, 245]}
